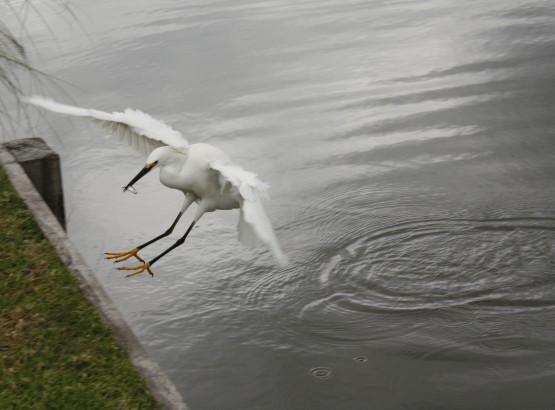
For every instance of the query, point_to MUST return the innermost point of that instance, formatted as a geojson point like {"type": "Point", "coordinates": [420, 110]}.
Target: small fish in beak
{"type": "Point", "coordinates": [142, 173]}
{"type": "Point", "coordinates": [130, 189]}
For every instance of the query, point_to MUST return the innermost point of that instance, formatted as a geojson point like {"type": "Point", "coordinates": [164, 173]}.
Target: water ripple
{"type": "Point", "coordinates": [321, 373]}
{"type": "Point", "coordinates": [431, 272]}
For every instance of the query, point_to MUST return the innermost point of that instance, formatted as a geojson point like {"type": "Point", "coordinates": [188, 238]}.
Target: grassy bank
{"type": "Point", "coordinates": [55, 352]}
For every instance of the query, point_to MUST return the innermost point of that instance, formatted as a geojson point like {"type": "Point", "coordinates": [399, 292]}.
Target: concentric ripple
{"type": "Point", "coordinates": [321, 373]}
{"type": "Point", "coordinates": [431, 272]}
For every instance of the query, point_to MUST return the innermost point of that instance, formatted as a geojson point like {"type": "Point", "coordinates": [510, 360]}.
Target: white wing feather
{"type": "Point", "coordinates": [136, 128]}
{"type": "Point", "coordinates": [254, 226]}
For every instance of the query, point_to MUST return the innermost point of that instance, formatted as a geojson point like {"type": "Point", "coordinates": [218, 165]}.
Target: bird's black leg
{"type": "Point", "coordinates": [122, 256]}
{"type": "Point", "coordinates": [175, 245]}
{"type": "Point", "coordinates": [147, 265]}
{"type": "Point", "coordinates": [168, 232]}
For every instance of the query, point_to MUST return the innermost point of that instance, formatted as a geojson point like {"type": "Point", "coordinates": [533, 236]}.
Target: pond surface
{"type": "Point", "coordinates": [410, 149]}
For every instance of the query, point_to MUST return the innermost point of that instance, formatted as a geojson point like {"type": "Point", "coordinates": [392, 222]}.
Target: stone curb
{"type": "Point", "coordinates": [163, 390]}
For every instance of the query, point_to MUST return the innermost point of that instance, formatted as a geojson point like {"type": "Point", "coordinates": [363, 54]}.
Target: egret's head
{"type": "Point", "coordinates": [160, 156]}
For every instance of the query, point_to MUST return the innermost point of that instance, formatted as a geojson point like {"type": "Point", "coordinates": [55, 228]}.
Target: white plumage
{"type": "Point", "coordinates": [249, 191]}
{"type": "Point", "coordinates": [137, 129]}
{"type": "Point", "coordinates": [202, 172]}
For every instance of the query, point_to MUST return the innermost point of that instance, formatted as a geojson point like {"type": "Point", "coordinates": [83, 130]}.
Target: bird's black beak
{"type": "Point", "coordinates": [142, 173]}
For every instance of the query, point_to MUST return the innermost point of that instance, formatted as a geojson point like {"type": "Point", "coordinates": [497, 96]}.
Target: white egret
{"type": "Point", "coordinates": [202, 172]}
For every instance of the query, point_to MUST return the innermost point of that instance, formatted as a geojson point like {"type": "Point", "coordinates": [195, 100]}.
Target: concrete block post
{"type": "Point", "coordinates": [42, 165]}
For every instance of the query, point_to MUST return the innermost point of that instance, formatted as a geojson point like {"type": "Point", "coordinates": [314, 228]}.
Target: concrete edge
{"type": "Point", "coordinates": [163, 390]}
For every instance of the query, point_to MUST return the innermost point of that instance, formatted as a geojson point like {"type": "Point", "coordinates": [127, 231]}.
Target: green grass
{"type": "Point", "coordinates": [55, 351]}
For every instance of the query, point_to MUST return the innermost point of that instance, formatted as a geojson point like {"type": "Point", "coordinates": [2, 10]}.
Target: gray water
{"type": "Point", "coordinates": [409, 146]}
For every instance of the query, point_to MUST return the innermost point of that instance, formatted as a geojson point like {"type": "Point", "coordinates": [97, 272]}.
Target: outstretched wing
{"type": "Point", "coordinates": [139, 130]}
{"type": "Point", "coordinates": [254, 226]}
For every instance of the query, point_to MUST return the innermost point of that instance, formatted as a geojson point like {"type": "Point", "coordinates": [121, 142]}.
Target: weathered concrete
{"type": "Point", "coordinates": [42, 166]}
{"type": "Point", "coordinates": [159, 384]}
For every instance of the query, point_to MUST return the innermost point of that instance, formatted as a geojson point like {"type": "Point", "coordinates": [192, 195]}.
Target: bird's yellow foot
{"type": "Point", "coordinates": [123, 256]}
{"type": "Point", "coordinates": [138, 269]}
